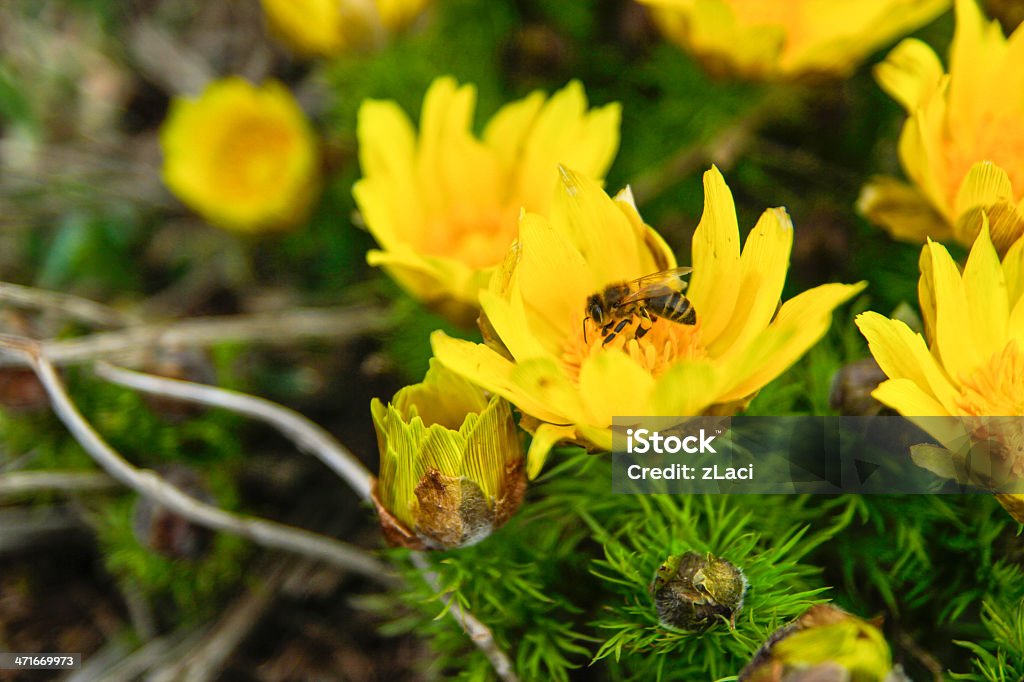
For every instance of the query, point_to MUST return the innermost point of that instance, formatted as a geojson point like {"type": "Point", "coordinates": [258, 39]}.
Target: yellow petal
{"type": "Point", "coordinates": [926, 295]}
{"type": "Point", "coordinates": [1013, 272]}
{"type": "Point", "coordinates": [910, 73]}
{"type": "Point", "coordinates": [907, 398]}
{"type": "Point", "coordinates": [492, 443]}
{"type": "Point", "coordinates": [544, 438]}
{"type": "Point", "coordinates": [920, 150]}
{"type": "Point", "coordinates": [976, 46]}
{"type": "Point", "coordinates": [902, 354]}
{"type": "Point", "coordinates": [513, 325]}
{"type": "Point", "coordinates": [430, 279]}
{"type": "Point", "coordinates": [1014, 505]}
{"type": "Point", "coordinates": [800, 323]}
{"type": "Point", "coordinates": [611, 385]}
{"type": "Point", "coordinates": [564, 132]}
{"type": "Point", "coordinates": [597, 227]}
{"type": "Point", "coordinates": [599, 437]}
{"type": "Point", "coordinates": [487, 369]}
{"type": "Point", "coordinates": [544, 381]}
{"type": "Point", "coordinates": [985, 184]}
{"type": "Point", "coordinates": [507, 131]}
{"type": "Point", "coordinates": [686, 389]}
{"type": "Point", "coordinates": [658, 254]}
{"type": "Point", "coordinates": [985, 290]}
{"type": "Point", "coordinates": [716, 258]}
{"type": "Point", "coordinates": [1005, 221]}
{"type": "Point", "coordinates": [955, 340]}
{"type": "Point", "coordinates": [443, 449]}
{"type": "Point", "coordinates": [763, 267]}
{"type": "Point", "coordinates": [902, 210]}
{"type": "Point", "coordinates": [553, 276]}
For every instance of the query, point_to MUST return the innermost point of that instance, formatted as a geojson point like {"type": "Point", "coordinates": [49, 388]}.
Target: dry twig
{"type": "Point", "coordinates": [151, 485]}
{"type": "Point", "coordinates": [28, 482]}
{"type": "Point", "coordinates": [81, 309]}
{"type": "Point", "coordinates": [269, 328]}
{"type": "Point", "coordinates": [307, 436]}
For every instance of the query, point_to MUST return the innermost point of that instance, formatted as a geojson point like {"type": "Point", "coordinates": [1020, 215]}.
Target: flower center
{"type": "Point", "coordinates": [659, 347]}
{"type": "Point", "coordinates": [253, 158]}
{"type": "Point", "coordinates": [997, 390]}
{"type": "Point", "coordinates": [478, 237]}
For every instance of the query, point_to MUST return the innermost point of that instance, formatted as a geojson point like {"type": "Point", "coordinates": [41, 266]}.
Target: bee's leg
{"type": "Point", "coordinates": [615, 332]}
{"type": "Point", "coordinates": [641, 331]}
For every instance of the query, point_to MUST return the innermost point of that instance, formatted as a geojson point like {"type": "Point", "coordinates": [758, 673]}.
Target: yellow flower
{"type": "Point", "coordinates": [962, 145]}
{"type": "Point", "coordinates": [444, 207]}
{"type": "Point", "coordinates": [823, 643]}
{"type": "Point", "coordinates": [570, 384]}
{"type": "Point", "coordinates": [971, 368]}
{"type": "Point", "coordinates": [330, 27]}
{"type": "Point", "coordinates": [244, 157]}
{"type": "Point", "coordinates": [451, 463]}
{"type": "Point", "coordinates": [768, 39]}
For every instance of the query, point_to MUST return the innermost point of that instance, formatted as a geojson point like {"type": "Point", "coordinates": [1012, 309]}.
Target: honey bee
{"type": "Point", "coordinates": [657, 294]}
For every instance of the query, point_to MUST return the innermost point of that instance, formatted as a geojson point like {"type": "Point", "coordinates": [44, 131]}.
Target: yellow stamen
{"type": "Point", "coordinates": [664, 344]}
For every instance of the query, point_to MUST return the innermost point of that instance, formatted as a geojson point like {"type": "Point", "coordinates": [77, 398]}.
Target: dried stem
{"type": "Point", "coordinates": [271, 328]}
{"type": "Point", "coordinates": [306, 435]}
{"type": "Point", "coordinates": [481, 635]}
{"type": "Point", "coordinates": [310, 437]}
{"type": "Point", "coordinates": [151, 485]}
{"type": "Point", "coordinates": [28, 482]}
{"type": "Point", "coordinates": [81, 309]}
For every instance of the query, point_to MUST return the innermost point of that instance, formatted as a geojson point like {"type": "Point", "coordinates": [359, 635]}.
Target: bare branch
{"type": "Point", "coordinates": [149, 484]}
{"type": "Point", "coordinates": [481, 635]}
{"type": "Point", "coordinates": [81, 309]}
{"type": "Point", "coordinates": [28, 482]}
{"type": "Point", "coordinates": [266, 328]}
{"type": "Point", "coordinates": [307, 436]}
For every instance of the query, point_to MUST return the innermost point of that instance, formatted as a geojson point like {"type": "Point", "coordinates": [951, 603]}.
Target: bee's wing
{"type": "Point", "coordinates": [657, 284]}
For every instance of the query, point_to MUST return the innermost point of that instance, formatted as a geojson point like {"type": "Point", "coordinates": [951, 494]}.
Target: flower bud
{"type": "Point", "coordinates": [824, 644]}
{"type": "Point", "coordinates": [692, 592]}
{"type": "Point", "coordinates": [451, 463]}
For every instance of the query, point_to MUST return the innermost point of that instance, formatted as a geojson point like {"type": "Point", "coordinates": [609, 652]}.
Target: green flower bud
{"type": "Point", "coordinates": [692, 592]}
{"type": "Point", "coordinates": [825, 644]}
{"type": "Point", "coordinates": [451, 463]}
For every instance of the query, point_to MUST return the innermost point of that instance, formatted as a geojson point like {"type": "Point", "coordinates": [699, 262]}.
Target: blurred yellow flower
{"type": "Point", "coordinates": [569, 383]}
{"type": "Point", "coordinates": [444, 207]}
{"type": "Point", "coordinates": [244, 157]}
{"type": "Point", "coordinates": [329, 27]}
{"type": "Point", "coordinates": [962, 145]}
{"type": "Point", "coordinates": [971, 368]}
{"type": "Point", "coordinates": [769, 39]}
{"type": "Point", "coordinates": [451, 463]}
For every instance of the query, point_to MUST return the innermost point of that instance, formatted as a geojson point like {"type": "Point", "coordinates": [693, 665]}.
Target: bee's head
{"type": "Point", "coordinates": [595, 309]}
